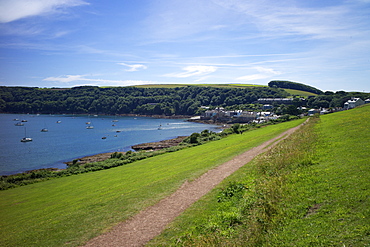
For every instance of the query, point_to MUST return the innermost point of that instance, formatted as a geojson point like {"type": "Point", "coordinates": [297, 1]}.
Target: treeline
{"type": "Point", "coordinates": [294, 85]}
{"type": "Point", "coordinates": [128, 100]}
{"type": "Point", "coordinates": [337, 99]}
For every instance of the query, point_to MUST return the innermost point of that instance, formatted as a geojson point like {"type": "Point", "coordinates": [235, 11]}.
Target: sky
{"type": "Point", "coordinates": [67, 43]}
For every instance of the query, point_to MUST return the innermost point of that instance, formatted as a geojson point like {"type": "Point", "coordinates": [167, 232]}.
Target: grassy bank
{"type": "Point", "coordinates": [311, 190]}
{"type": "Point", "coordinates": [70, 210]}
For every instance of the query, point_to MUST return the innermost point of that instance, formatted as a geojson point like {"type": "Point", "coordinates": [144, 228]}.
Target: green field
{"type": "Point", "coordinates": [311, 190]}
{"type": "Point", "coordinates": [70, 210]}
{"type": "Point", "coordinates": [299, 92]}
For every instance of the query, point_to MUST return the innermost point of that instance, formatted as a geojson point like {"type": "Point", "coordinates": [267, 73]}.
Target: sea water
{"type": "Point", "coordinates": [68, 138]}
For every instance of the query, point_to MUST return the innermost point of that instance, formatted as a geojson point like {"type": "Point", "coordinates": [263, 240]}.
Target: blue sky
{"type": "Point", "coordinates": [66, 43]}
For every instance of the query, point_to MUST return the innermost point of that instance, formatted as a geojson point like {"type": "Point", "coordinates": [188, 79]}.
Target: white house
{"type": "Point", "coordinates": [353, 102]}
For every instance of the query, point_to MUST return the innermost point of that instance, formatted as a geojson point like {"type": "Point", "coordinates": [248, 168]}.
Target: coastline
{"type": "Point", "coordinates": [165, 143]}
{"type": "Point", "coordinates": [149, 146]}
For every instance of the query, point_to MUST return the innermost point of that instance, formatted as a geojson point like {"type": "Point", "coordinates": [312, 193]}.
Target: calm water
{"type": "Point", "coordinates": [70, 139]}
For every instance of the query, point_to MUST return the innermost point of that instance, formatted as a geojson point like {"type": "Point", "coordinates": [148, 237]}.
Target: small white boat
{"type": "Point", "coordinates": [19, 124]}
{"type": "Point", "coordinates": [26, 139]}
{"type": "Point", "coordinates": [89, 127]}
{"type": "Point", "coordinates": [44, 130]}
{"type": "Point", "coordinates": [59, 121]}
{"type": "Point", "coordinates": [24, 120]}
{"type": "Point", "coordinates": [114, 120]}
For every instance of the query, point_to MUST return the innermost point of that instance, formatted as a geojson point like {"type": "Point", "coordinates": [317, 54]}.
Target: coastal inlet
{"type": "Point", "coordinates": [69, 137]}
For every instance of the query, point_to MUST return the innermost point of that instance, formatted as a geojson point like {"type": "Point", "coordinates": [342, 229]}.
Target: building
{"type": "Point", "coordinates": [286, 101]}
{"type": "Point", "coordinates": [267, 107]}
{"type": "Point", "coordinates": [221, 115]}
{"type": "Point", "coordinates": [353, 102]}
{"type": "Point", "coordinates": [312, 112]}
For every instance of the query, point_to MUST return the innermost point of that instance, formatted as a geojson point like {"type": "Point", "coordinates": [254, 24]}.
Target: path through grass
{"type": "Point", "coordinates": [311, 190]}
{"type": "Point", "coordinates": [70, 210]}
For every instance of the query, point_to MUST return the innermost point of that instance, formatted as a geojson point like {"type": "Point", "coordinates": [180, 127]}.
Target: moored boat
{"type": "Point", "coordinates": [26, 139]}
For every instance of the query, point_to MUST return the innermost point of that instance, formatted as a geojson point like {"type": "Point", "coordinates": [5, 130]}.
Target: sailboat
{"type": "Point", "coordinates": [26, 139]}
{"type": "Point", "coordinates": [89, 126]}
{"type": "Point", "coordinates": [44, 129]}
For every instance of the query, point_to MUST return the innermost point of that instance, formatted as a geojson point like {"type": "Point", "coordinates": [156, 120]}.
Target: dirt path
{"type": "Point", "coordinates": [152, 221]}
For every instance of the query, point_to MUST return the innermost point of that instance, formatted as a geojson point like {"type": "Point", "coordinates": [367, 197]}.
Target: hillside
{"type": "Point", "coordinates": [235, 85]}
{"type": "Point", "coordinates": [294, 85]}
{"type": "Point", "coordinates": [312, 190]}
{"type": "Point", "coordinates": [299, 92]}
{"type": "Point", "coordinates": [71, 210]}
{"type": "Point", "coordinates": [167, 101]}
{"type": "Point", "coordinates": [130, 100]}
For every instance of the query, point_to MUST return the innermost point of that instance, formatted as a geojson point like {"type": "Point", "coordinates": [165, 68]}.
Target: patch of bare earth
{"type": "Point", "coordinates": [152, 221]}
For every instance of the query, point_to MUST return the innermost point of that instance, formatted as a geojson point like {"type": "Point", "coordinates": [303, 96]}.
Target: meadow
{"type": "Point", "coordinates": [299, 92]}
{"type": "Point", "coordinates": [311, 190]}
{"type": "Point", "coordinates": [69, 211]}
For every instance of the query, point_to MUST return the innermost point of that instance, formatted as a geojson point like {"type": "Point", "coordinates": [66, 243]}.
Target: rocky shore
{"type": "Point", "coordinates": [144, 146]}
{"type": "Point", "coordinates": [159, 145]}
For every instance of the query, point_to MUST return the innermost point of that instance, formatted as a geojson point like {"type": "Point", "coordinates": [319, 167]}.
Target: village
{"type": "Point", "coordinates": [268, 111]}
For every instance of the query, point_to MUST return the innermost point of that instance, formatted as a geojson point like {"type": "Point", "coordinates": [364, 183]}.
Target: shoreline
{"type": "Point", "coordinates": [148, 146]}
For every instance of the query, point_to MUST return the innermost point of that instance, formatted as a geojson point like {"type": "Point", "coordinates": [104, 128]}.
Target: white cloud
{"type": "Point", "coordinates": [196, 70]}
{"type": "Point", "coordinates": [281, 18]}
{"type": "Point", "coordinates": [67, 79]}
{"type": "Point", "coordinates": [12, 10]}
{"type": "Point", "coordinates": [133, 67]}
{"type": "Point", "coordinates": [263, 74]}
{"type": "Point", "coordinates": [252, 77]}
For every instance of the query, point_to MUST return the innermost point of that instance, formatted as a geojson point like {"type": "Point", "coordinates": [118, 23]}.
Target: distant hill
{"type": "Point", "coordinates": [294, 85]}
{"type": "Point", "coordinates": [232, 85]}
{"type": "Point", "coordinates": [160, 100]}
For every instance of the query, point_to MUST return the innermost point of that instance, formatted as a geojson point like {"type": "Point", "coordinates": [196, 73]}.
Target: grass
{"type": "Point", "coordinates": [311, 190]}
{"type": "Point", "coordinates": [299, 92]}
{"type": "Point", "coordinates": [70, 210]}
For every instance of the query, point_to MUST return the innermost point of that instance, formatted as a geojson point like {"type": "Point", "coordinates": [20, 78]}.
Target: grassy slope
{"type": "Point", "coordinates": [299, 92]}
{"type": "Point", "coordinates": [338, 185]}
{"type": "Point", "coordinates": [70, 210]}
{"type": "Point", "coordinates": [312, 190]}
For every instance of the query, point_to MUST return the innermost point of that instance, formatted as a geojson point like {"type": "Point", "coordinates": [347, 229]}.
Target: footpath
{"type": "Point", "coordinates": [152, 221]}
